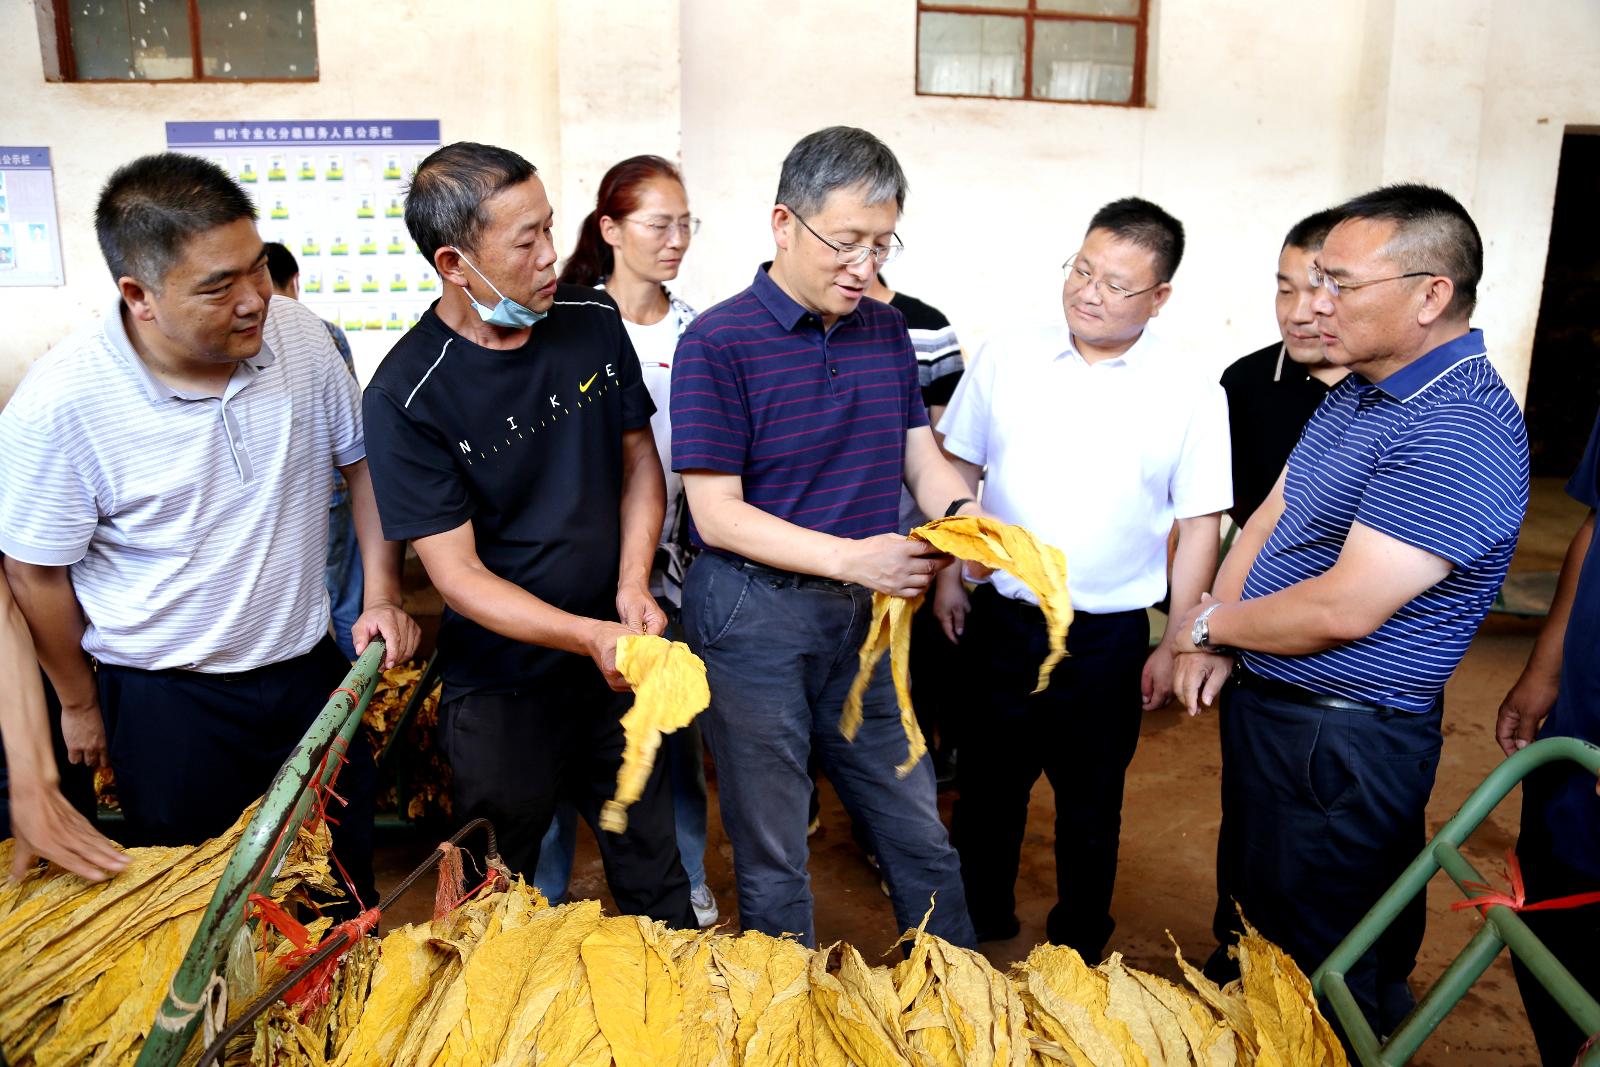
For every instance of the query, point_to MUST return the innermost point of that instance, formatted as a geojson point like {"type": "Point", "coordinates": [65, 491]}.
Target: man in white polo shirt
{"type": "Point", "coordinates": [1097, 436]}
{"type": "Point", "coordinates": [163, 511]}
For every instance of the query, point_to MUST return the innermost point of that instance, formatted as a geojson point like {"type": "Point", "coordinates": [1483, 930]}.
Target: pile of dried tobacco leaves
{"type": "Point", "coordinates": [84, 967]}
{"type": "Point", "coordinates": [506, 979]}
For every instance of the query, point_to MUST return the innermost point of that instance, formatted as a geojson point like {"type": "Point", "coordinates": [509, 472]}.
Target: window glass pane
{"type": "Point", "coordinates": [258, 38]}
{"type": "Point", "coordinates": [1129, 8]}
{"type": "Point", "coordinates": [973, 55]}
{"type": "Point", "coordinates": [999, 5]}
{"type": "Point", "coordinates": [1083, 60]}
{"type": "Point", "coordinates": [131, 39]}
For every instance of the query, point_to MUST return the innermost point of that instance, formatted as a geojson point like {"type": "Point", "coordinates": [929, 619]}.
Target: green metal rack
{"type": "Point", "coordinates": [256, 859]}
{"type": "Point", "coordinates": [1502, 926]}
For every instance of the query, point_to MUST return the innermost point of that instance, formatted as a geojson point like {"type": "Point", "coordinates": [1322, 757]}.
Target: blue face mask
{"type": "Point", "coordinates": [507, 313]}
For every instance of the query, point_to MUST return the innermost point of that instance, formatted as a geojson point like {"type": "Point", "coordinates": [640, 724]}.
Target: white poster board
{"type": "Point", "coordinates": [30, 237]}
{"type": "Point", "coordinates": [333, 192]}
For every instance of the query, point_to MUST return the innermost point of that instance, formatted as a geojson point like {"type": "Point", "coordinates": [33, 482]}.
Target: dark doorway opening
{"type": "Point", "coordinates": [1564, 379]}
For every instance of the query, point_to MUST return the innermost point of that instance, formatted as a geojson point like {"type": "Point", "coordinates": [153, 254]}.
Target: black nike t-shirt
{"type": "Point", "coordinates": [525, 444]}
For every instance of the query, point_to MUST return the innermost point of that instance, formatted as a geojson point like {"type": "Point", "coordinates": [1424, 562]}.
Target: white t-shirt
{"type": "Point", "coordinates": [655, 345]}
{"type": "Point", "coordinates": [195, 527]}
{"type": "Point", "coordinates": [1097, 459]}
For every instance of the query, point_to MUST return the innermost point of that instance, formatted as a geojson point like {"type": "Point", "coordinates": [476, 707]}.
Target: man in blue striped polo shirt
{"type": "Point", "coordinates": [1354, 590]}
{"type": "Point", "coordinates": [796, 415]}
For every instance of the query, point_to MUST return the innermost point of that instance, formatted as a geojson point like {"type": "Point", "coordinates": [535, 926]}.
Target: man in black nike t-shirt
{"type": "Point", "coordinates": [509, 439]}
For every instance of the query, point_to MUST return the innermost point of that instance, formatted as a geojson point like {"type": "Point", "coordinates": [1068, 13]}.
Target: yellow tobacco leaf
{"type": "Point", "coordinates": [1073, 1002]}
{"type": "Point", "coordinates": [1155, 1026]}
{"type": "Point", "coordinates": [1283, 1007]}
{"type": "Point", "coordinates": [669, 690]}
{"type": "Point", "coordinates": [1003, 546]}
{"type": "Point", "coordinates": [638, 1000]}
{"type": "Point", "coordinates": [889, 630]}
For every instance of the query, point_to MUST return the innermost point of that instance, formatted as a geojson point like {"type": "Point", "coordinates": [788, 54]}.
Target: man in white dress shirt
{"type": "Point", "coordinates": [1097, 436]}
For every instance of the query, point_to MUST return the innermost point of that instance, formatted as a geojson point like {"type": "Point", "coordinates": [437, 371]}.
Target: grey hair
{"type": "Point", "coordinates": [444, 203]}
{"type": "Point", "coordinates": [839, 157]}
{"type": "Point", "coordinates": [1433, 233]}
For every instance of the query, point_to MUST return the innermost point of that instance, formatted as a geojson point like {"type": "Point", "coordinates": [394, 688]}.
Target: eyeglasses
{"type": "Point", "coordinates": [851, 255]}
{"type": "Point", "coordinates": [663, 228]}
{"type": "Point", "coordinates": [1335, 287]}
{"type": "Point", "coordinates": [1077, 278]}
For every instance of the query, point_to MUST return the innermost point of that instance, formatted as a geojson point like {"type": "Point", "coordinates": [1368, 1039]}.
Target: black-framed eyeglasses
{"type": "Point", "coordinates": [851, 255]}
{"type": "Point", "coordinates": [1334, 286]}
{"type": "Point", "coordinates": [1077, 278]}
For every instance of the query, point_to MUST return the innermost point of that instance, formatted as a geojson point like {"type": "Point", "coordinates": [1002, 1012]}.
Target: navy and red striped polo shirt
{"type": "Point", "coordinates": [814, 423]}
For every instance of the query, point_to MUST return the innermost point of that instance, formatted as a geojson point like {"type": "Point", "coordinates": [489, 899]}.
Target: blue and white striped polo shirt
{"type": "Point", "coordinates": [195, 527]}
{"type": "Point", "coordinates": [1436, 456]}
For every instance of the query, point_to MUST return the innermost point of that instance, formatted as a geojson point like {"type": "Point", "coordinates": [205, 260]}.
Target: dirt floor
{"type": "Point", "coordinates": [1166, 882]}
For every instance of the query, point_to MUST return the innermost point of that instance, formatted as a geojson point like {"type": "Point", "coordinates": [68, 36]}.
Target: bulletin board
{"type": "Point", "coordinates": [30, 237]}
{"type": "Point", "coordinates": [333, 192]}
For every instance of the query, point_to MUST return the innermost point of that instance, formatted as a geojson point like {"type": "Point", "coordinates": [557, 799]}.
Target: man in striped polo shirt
{"type": "Point", "coordinates": [1354, 590]}
{"type": "Point", "coordinates": [163, 509]}
{"type": "Point", "coordinates": [796, 416]}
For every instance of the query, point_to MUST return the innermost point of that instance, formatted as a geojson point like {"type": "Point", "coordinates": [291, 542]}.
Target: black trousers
{"type": "Point", "coordinates": [1322, 811]}
{"type": "Point", "coordinates": [1572, 935]}
{"type": "Point", "coordinates": [514, 755]}
{"type": "Point", "coordinates": [191, 750]}
{"type": "Point", "coordinates": [1080, 732]}
{"type": "Point", "coordinates": [77, 781]}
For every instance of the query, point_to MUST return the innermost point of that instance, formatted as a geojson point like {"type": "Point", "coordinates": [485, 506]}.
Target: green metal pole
{"type": "Point", "coordinates": [1502, 925]}
{"type": "Point", "coordinates": [255, 860]}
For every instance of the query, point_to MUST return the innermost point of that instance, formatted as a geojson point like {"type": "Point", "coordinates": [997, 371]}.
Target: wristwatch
{"type": "Point", "coordinates": [1200, 635]}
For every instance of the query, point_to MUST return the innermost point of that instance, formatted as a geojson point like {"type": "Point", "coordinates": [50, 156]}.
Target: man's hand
{"type": "Point", "coordinates": [889, 563]}
{"type": "Point", "coordinates": [1199, 677]}
{"type": "Point", "coordinates": [385, 619]}
{"type": "Point", "coordinates": [951, 604]}
{"type": "Point", "coordinates": [638, 610]}
{"type": "Point", "coordinates": [601, 644]}
{"type": "Point", "coordinates": [84, 730]}
{"type": "Point", "coordinates": [1523, 709]}
{"type": "Point", "coordinates": [1155, 683]}
{"type": "Point", "coordinates": [44, 824]}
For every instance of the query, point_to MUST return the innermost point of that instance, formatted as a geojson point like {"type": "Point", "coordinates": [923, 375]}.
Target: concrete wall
{"type": "Point", "coordinates": [394, 59]}
{"type": "Point", "coordinates": [1260, 113]}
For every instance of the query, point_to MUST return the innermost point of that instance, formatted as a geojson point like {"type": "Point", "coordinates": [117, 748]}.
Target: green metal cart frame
{"type": "Point", "coordinates": [256, 859]}
{"type": "Point", "coordinates": [1502, 926]}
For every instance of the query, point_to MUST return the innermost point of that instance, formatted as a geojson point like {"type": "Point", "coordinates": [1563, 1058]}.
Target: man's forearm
{"type": "Point", "coordinates": [24, 725]}
{"type": "Point", "coordinates": [507, 609]}
{"type": "Point", "coordinates": [740, 527]}
{"type": "Point", "coordinates": [55, 619]}
{"type": "Point", "coordinates": [1545, 659]}
{"type": "Point", "coordinates": [934, 481]}
{"type": "Point", "coordinates": [1305, 618]}
{"type": "Point", "coordinates": [644, 507]}
{"type": "Point", "coordinates": [1194, 564]}
{"type": "Point", "coordinates": [381, 561]}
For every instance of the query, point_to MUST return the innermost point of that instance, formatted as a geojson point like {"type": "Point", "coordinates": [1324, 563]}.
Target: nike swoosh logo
{"type": "Point", "coordinates": [584, 388]}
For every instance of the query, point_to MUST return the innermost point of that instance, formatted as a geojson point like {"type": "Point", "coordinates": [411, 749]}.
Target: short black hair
{"type": "Point", "coordinates": [839, 157]}
{"type": "Point", "coordinates": [1311, 231]}
{"type": "Point", "coordinates": [281, 264]}
{"type": "Point", "coordinates": [149, 208]}
{"type": "Point", "coordinates": [444, 203]}
{"type": "Point", "coordinates": [1144, 224]}
{"type": "Point", "coordinates": [1433, 233]}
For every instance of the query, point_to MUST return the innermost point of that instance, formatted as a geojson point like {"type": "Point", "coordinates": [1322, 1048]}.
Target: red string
{"type": "Point", "coordinates": [1587, 1045]}
{"type": "Point", "coordinates": [1517, 899]}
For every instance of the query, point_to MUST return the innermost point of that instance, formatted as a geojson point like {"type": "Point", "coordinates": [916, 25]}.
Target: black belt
{"type": "Point", "coordinates": [1299, 694]}
{"type": "Point", "coordinates": [790, 577]}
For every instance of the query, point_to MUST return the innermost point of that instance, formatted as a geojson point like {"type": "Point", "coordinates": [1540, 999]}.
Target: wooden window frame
{"type": "Point", "coordinates": [1029, 12]}
{"type": "Point", "coordinates": [61, 62]}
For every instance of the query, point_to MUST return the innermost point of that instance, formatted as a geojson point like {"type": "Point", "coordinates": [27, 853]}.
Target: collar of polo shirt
{"type": "Point", "coordinates": [1417, 375]}
{"type": "Point", "coordinates": [116, 332]}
